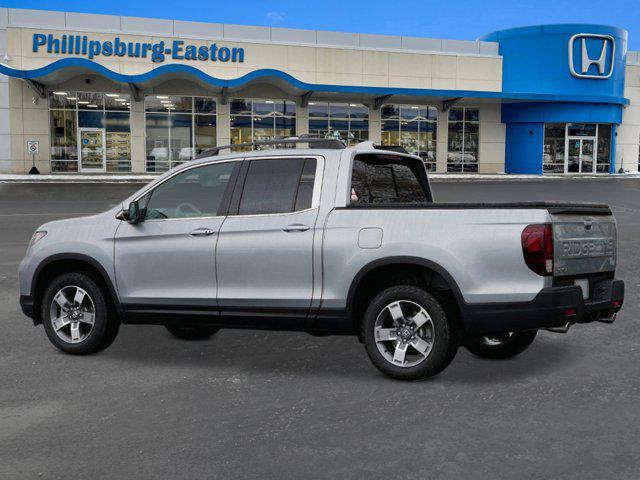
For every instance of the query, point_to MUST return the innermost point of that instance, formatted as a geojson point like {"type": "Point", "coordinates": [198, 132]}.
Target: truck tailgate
{"type": "Point", "coordinates": [583, 243]}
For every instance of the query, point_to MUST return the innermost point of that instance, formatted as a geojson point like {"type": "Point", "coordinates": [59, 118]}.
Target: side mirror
{"type": "Point", "coordinates": [133, 214]}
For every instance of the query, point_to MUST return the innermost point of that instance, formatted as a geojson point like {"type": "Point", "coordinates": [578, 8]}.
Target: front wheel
{"type": "Point", "coordinates": [501, 346]}
{"type": "Point", "coordinates": [191, 333]}
{"type": "Point", "coordinates": [407, 334]}
{"type": "Point", "coordinates": [75, 315]}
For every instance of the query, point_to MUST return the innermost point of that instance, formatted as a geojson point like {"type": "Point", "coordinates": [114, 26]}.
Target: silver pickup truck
{"type": "Point", "coordinates": [328, 241]}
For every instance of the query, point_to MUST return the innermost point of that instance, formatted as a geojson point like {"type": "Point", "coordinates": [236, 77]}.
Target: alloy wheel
{"type": "Point", "coordinates": [72, 314]}
{"type": "Point", "coordinates": [404, 333]}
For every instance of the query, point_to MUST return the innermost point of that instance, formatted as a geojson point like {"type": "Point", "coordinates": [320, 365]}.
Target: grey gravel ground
{"type": "Point", "coordinates": [287, 405]}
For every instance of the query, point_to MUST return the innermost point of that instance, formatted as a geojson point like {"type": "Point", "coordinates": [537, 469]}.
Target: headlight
{"type": "Point", "coordinates": [39, 235]}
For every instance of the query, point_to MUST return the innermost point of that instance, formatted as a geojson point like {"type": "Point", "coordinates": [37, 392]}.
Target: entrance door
{"type": "Point", "coordinates": [580, 155]}
{"type": "Point", "coordinates": [91, 150]}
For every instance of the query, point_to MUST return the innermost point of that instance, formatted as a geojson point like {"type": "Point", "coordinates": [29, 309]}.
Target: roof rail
{"type": "Point", "coordinates": [314, 142]}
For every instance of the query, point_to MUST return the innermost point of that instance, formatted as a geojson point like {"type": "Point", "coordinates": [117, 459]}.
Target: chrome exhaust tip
{"type": "Point", "coordinates": [610, 319]}
{"type": "Point", "coordinates": [561, 329]}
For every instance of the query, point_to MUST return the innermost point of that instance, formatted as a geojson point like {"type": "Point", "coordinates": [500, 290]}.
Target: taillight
{"type": "Point", "coordinates": [537, 247]}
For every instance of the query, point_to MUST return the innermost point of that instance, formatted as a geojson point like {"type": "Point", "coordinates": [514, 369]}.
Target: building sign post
{"type": "Point", "coordinates": [33, 148]}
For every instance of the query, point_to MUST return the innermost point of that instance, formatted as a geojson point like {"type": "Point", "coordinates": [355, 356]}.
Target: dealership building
{"type": "Point", "coordinates": [84, 93]}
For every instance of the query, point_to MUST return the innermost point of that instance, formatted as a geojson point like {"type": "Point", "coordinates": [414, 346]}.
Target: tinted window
{"type": "Point", "coordinates": [378, 179]}
{"type": "Point", "coordinates": [278, 186]}
{"type": "Point", "coordinates": [196, 192]}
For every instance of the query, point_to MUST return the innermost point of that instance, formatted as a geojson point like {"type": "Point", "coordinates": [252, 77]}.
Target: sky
{"type": "Point", "coordinates": [452, 19]}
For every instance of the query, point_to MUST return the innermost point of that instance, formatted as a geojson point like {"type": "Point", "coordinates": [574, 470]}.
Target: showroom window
{"type": "Point", "coordinates": [570, 148]}
{"type": "Point", "coordinates": [413, 127]}
{"type": "Point", "coordinates": [553, 151]}
{"type": "Point", "coordinates": [102, 122]}
{"type": "Point", "coordinates": [603, 157]}
{"type": "Point", "coordinates": [253, 120]}
{"type": "Point", "coordinates": [177, 129]}
{"type": "Point", "coordinates": [346, 121]}
{"type": "Point", "coordinates": [464, 139]}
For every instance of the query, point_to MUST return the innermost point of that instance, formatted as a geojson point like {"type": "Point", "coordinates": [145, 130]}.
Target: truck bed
{"type": "Point", "coordinates": [555, 208]}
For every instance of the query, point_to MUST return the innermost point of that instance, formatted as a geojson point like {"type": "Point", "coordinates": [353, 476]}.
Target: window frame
{"type": "Point", "coordinates": [273, 116]}
{"type": "Point", "coordinates": [225, 198]}
{"type": "Point", "coordinates": [193, 114]}
{"type": "Point", "coordinates": [76, 108]}
{"type": "Point", "coordinates": [342, 118]}
{"type": "Point", "coordinates": [464, 122]}
{"type": "Point", "coordinates": [431, 164]}
{"type": "Point", "coordinates": [242, 175]}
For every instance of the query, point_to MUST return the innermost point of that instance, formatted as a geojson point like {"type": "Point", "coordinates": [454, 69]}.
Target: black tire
{"type": "Point", "coordinates": [191, 333]}
{"type": "Point", "coordinates": [110, 335]}
{"type": "Point", "coordinates": [445, 337]}
{"type": "Point", "coordinates": [502, 346]}
{"type": "Point", "coordinates": [104, 329]}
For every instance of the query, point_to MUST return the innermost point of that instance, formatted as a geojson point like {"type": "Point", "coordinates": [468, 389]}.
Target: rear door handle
{"type": "Point", "coordinates": [296, 227]}
{"type": "Point", "coordinates": [202, 232]}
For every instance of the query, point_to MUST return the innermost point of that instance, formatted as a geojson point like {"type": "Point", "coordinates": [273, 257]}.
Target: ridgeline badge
{"type": "Point", "coordinates": [157, 52]}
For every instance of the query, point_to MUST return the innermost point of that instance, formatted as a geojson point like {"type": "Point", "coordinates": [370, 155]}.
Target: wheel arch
{"type": "Point", "coordinates": [61, 263]}
{"type": "Point", "coordinates": [398, 264]}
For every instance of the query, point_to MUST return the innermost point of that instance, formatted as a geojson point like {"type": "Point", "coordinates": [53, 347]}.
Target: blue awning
{"type": "Point", "coordinates": [64, 69]}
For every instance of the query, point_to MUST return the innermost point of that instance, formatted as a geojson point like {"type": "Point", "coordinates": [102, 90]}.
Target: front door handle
{"type": "Point", "coordinates": [296, 227]}
{"type": "Point", "coordinates": [202, 232]}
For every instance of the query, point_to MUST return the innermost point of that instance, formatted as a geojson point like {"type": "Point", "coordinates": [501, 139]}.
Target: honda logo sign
{"type": "Point", "coordinates": [595, 57]}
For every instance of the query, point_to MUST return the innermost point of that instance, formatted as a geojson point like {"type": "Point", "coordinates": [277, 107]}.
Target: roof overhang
{"type": "Point", "coordinates": [68, 68]}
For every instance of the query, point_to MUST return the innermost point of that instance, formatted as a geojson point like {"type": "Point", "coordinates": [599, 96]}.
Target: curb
{"type": "Point", "coordinates": [453, 177]}
{"type": "Point", "coordinates": [62, 178]}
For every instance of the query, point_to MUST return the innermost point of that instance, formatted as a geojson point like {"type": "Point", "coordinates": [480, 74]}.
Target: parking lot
{"type": "Point", "coordinates": [247, 404]}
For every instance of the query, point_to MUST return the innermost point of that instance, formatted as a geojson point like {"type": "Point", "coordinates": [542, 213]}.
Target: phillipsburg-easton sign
{"type": "Point", "coordinates": [157, 52]}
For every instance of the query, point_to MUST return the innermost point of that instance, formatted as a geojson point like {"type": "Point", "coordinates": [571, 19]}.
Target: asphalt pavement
{"type": "Point", "coordinates": [263, 405]}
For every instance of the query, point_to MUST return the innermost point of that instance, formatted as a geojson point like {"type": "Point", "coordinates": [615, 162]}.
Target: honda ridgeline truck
{"type": "Point", "coordinates": [328, 241]}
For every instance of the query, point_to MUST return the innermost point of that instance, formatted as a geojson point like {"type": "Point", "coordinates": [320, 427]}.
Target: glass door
{"type": "Point", "coordinates": [579, 155]}
{"type": "Point", "coordinates": [91, 151]}
{"type": "Point", "coordinates": [586, 155]}
{"type": "Point", "coordinates": [572, 158]}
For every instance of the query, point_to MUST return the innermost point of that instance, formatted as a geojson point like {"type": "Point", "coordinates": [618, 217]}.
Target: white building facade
{"type": "Point", "coordinates": [100, 93]}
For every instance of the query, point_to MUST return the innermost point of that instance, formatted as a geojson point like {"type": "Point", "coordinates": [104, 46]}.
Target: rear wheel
{"type": "Point", "coordinates": [407, 334]}
{"type": "Point", "coordinates": [191, 333]}
{"type": "Point", "coordinates": [75, 315]}
{"type": "Point", "coordinates": [501, 346]}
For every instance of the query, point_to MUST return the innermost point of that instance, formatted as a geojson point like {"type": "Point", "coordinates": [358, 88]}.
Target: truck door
{"type": "Point", "coordinates": [264, 256]}
{"type": "Point", "coordinates": [167, 262]}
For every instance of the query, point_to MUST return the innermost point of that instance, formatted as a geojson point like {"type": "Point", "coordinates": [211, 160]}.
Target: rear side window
{"type": "Point", "coordinates": [380, 179]}
{"type": "Point", "coordinates": [278, 186]}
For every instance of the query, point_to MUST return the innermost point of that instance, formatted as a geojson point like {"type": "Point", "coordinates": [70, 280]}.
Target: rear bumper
{"type": "Point", "coordinates": [552, 307]}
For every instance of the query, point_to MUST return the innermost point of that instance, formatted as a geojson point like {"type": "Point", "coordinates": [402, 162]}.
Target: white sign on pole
{"type": "Point", "coordinates": [33, 147]}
